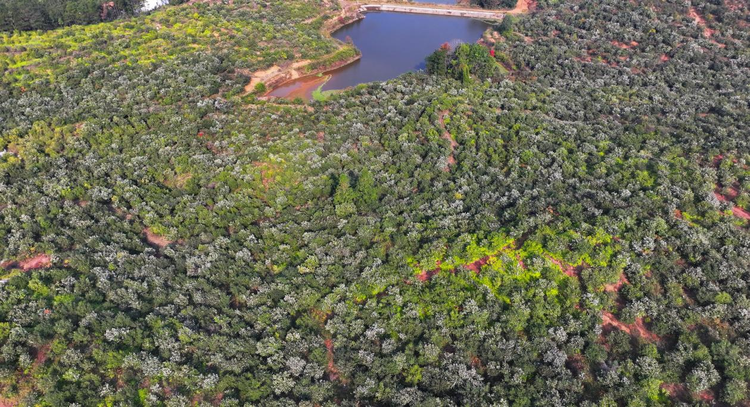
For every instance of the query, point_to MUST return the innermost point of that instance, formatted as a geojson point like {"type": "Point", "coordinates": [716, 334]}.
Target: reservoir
{"type": "Point", "coordinates": [391, 44]}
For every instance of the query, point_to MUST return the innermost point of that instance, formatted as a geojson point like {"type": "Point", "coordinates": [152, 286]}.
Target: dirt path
{"type": "Point", "coordinates": [435, 9]}
{"type": "Point", "coordinates": [522, 6]}
{"type": "Point", "coordinates": [156, 240]}
{"type": "Point", "coordinates": [736, 210]}
{"type": "Point", "coordinates": [40, 261]}
{"type": "Point", "coordinates": [637, 328]}
{"type": "Point", "coordinates": [613, 288]}
{"type": "Point", "coordinates": [693, 13]}
{"type": "Point", "coordinates": [447, 135]}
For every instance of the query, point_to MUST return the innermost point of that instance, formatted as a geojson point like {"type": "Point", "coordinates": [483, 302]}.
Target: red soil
{"type": "Point", "coordinates": [41, 261]}
{"type": "Point", "coordinates": [266, 180]}
{"type": "Point", "coordinates": [449, 137]}
{"type": "Point", "coordinates": [41, 354]}
{"type": "Point", "coordinates": [693, 13]}
{"type": "Point", "coordinates": [733, 193]}
{"type": "Point", "coordinates": [736, 210]}
{"type": "Point", "coordinates": [618, 285]}
{"type": "Point", "coordinates": [676, 390]}
{"type": "Point", "coordinates": [477, 265]}
{"type": "Point", "coordinates": [523, 6]}
{"type": "Point", "coordinates": [740, 213]}
{"type": "Point", "coordinates": [707, 396]}
{"type": "Point", "coordinates": [678, 214]}
{"type": "Point", "coordinates": [716, 161]}
{"type": "Point", "coordinates": [566, 268]}
{"type": "Point", "coordinates": [155, 239]}
{"type": "Point", "coordinates": [427, 274]}
{"type": "Point", "coordinates": [638, 328]}
{"type": "Point", "coordinates": [623, 45]}
{"type": "Point", "coordinates": [664, 58]}
{"type": "Point", "coordinates": [333, 372]}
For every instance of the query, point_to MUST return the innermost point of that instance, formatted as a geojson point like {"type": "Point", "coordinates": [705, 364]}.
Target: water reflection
{"type": "Point", "coordinates": [391, 44]}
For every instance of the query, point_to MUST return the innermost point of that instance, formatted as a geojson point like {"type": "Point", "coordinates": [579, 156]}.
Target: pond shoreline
{"type": "Point", "coordinates": [314, 73]}
{"type": "Point", "coordinates": [277, 78]}
{"type": "Point", "coordinates": [292, 73]}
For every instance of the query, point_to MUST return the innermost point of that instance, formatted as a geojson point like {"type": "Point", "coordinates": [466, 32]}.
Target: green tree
{"type": "Point", "coordinates": [367, 191]}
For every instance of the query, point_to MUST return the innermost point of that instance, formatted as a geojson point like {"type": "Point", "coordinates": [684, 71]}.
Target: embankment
{"type": "Point", "coordinates": [437, 11]}
{"type": "Point", "coordinates": [277, 76]}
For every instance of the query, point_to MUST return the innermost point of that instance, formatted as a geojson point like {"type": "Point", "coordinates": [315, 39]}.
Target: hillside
{"type": "Point", "coordinates": [575, 233]}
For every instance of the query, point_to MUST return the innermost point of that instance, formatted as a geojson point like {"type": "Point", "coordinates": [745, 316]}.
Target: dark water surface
{"type": "Point", "coordinates": [393, 44]}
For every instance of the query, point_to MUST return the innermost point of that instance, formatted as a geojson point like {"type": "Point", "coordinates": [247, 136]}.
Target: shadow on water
{"type": "Point", "coordinates": [391, 44]}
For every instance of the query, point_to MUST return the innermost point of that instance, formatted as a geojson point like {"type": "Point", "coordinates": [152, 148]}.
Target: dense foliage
{"type": "Point", "coordinates": [575, 234]}
{"type": "Point", "coordinates": [47, 14]}
{"type": "Point", "coordinates": [494, 3]}
{"type": "Point", "coordinates": [464, 63]}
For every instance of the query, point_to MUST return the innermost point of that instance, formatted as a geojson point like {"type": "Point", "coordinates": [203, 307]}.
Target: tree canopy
{"type": "Point", "coordinates": [572, 232]}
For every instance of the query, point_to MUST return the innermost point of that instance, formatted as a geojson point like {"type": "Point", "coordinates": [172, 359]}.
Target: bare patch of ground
{"type": "Point", "coordinates": [736, 210]}
{"type": "Point", "coordinates": [476, 266]}
{"type": "Point", "coordinates": [333, 372]}
{"type": "Point", "coordinates": [451, 140]}
{"type": "Point", "coordinates": [523, 6]}
{"type": "Point", "coordinates": [638, 328]}
{"type": "Point", "coordinates": [178, 181]}
{"type": "Point", "coordinates": [41, 261]}
{"type": "Point", "coordinates": [693, 13]}
{"type": "Point", "coordinates": [156, 240]}
{"type": "Point", "coordinates": [566, 268]}
{"type": "Point", "coordinates": [615, 287]}
{"type": "Point", "coordinates": [623, 45]}
{"type": "Point", "coordinates": [266, 171]}
{"type": "Point", "coordinates": [676, 390]}
{"type": "Point", "coordinates": [427, 275]}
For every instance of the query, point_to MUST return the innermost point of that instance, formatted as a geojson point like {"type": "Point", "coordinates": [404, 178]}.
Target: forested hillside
{"type": "Point", "coordinates": [27, 15]}
{"type": "Point", "coordinates": [572, 232]}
